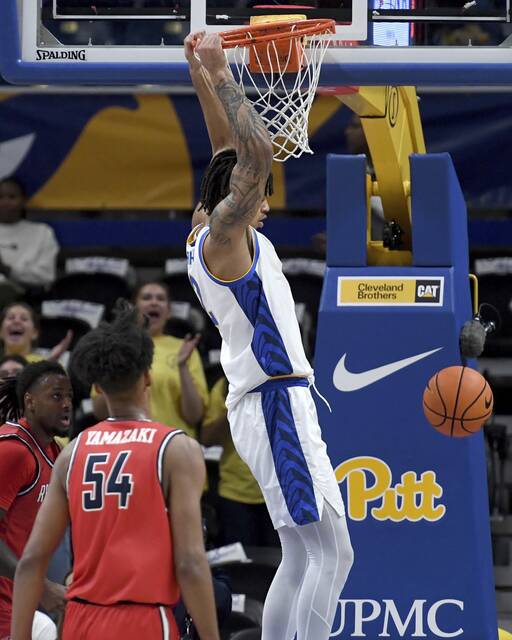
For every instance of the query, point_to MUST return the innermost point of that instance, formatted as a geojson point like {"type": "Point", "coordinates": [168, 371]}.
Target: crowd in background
{"type": "Point", "coordinates": [179, 394]}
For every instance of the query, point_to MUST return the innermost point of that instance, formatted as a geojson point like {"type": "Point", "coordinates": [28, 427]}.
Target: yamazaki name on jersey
{"type": "Point", "coordinates": [144, 435]}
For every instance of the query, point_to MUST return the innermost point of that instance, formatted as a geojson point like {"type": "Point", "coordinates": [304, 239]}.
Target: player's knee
{"type": "Point", "coordinates": [347, 556]}
{"type": "Point", "coordinates": [344, 549]}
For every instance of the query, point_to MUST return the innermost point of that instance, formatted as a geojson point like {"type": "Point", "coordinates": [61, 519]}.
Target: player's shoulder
{"type": "Point", "coordinates": [17, 458]}
{"type": "Point", "coordinates": [12, 431]}
{"type": "Point", "coordinates": [13, 447]}
{"type": "Point", "coordinates": [167, 430]}
{"type": "Point", "coordinates": [181, 448]}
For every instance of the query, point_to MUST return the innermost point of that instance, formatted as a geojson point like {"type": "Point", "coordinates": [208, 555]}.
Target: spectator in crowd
{"type": "Point", "coordinates": [178, 393]}
{"type": "Point", "coordinates": [28, 250]}
{"type": "Point", "coordinates": [10, 366]}
{"type": "Point", "coordinates": [37, 404]}
{"type": "Point", "coordinates": [242, 512]}
{"type": "Point", "coordinates": [19, 330]}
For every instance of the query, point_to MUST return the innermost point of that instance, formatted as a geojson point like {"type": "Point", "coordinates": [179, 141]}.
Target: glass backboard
{"type": "Point", "coordinates": [434, 42]}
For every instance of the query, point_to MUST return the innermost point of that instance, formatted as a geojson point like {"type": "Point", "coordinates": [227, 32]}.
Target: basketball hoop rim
{"type": "Point", "coordinates": [282, 30]}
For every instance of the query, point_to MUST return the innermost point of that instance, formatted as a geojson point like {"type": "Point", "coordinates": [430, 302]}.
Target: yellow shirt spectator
{"type": "Point", "coordinates": [165, 390]}
{"type": "Point", "coordinates": [178, 394]}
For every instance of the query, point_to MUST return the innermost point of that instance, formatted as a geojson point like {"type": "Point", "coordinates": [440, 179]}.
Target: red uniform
{"type": "Point", "coordinates": [123, 576]}
{"type": "Point", "coordinates": [25, 469]}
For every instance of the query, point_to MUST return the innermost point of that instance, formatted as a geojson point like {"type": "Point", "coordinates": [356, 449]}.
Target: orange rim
{"type": "Point", "coordinates": [267, 31]}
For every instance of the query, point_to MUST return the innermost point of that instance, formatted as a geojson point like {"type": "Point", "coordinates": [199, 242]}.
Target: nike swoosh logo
{"type": "Point", "coordinates": [345, 380]}
{"type": "Point", "coordinates": [488, 402]}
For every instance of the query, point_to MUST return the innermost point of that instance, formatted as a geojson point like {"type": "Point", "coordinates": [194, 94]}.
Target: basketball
{"type": "Point", "coordinates": [457, 401]}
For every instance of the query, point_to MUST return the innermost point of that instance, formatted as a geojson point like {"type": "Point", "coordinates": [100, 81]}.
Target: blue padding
{"type": "Point", "coordinates": [439, 216]}
{"type": "Point", "coordinates": [417, 501]}
{"type": "Point", "coordinates": [382, 424]}
{"type": "Point", "coordinates": [293, 232]}
{"type": "Point", "coordinates": [121, 233]}
{"type": "Point", "coordinates": [346, 211]}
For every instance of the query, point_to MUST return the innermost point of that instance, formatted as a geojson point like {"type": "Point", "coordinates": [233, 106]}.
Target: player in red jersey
{"type": "Point", "coordinates": [42, 394]}
{"type": "Point", "coordinates": [131, 488]}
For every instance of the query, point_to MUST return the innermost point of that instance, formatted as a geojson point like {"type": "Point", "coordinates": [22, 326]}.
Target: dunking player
{"type": "Point", "coordinates": [35, 406]}
{"type": "Point", "coordinates": [115, 483]}
{"type": "Point", "coordinates": [238, 278]}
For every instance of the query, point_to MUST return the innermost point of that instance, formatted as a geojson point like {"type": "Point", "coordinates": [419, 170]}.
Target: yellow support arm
{"type": "Point", "coordinates": [391, 122]}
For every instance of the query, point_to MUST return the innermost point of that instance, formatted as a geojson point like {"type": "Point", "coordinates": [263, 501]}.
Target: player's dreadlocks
{"type": "Point", "coordinates": [116, 354]}
{"type": "Point", "coordinates": [215, 185]}
{"type": "Point", "coordinates": [14, 388]}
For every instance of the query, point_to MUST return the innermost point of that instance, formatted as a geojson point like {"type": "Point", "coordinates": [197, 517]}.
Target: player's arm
{"type": "Point", "coordinates": [52, 596]}
{"type": "Point", "coordinates": [50, 524]}
{"type": "Point", "coordinates": [8, 559]}
{"type": "Point", "coordinates": [229, 220]}
{"type": "Point", "coordinates": [215, 432]}
{"type": "Point", "coordinates": [192, 381]}
{"type": "Point", "coordinates": [17, 471]}
{"type": "Point", "coordinates": [184, 477]}
{"type": "Point", "coordinates": [214, 114]}
{"type": "Point", "coordinates": [215, 427]}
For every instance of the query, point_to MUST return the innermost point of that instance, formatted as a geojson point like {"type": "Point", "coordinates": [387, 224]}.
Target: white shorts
{"type": "Point", "coordinates": [276, 432]}
{"type": "Point", "coordinates": [43, 627]}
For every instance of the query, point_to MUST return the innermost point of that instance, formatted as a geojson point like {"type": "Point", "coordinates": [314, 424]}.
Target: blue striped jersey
{"type": "Point", "coordinates": [254, 314]}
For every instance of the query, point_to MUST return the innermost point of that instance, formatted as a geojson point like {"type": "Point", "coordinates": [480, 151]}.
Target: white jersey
{"type": "Point", "coordinates": [254, 314]}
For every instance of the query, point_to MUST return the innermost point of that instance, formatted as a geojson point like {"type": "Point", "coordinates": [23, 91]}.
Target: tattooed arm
{"type": "Point", "coordinates": [214, 114]}
{"type": "Point", "coordinates": [230, 219]}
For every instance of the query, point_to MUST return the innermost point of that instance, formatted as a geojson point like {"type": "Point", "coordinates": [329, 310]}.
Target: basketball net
{"type": "Point", "coordinates": [283, 71]}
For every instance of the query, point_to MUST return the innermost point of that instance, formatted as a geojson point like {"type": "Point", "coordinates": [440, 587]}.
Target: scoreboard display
{"type": "Point", "coordinates": [239, 11]}
{"type": "Point", "coordinates": [120, 8]}
{"type": "Point", "coordinates": [217, 12]}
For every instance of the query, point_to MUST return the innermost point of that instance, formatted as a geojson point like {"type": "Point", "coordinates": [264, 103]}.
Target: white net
{"type": "Point", "coordinates": [283, 98]}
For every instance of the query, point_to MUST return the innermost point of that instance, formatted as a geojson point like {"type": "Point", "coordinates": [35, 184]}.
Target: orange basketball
{"type": "Point", "coordinates": [457, 401]}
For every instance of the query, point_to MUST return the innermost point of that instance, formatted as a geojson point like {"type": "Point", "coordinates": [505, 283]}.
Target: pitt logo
{"type": "Point", "coordinates": [369, 480]}
{"type": "Point", "coordinates": [428, 291]}
{"type": "Point", "coordinates": [42, 493]}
